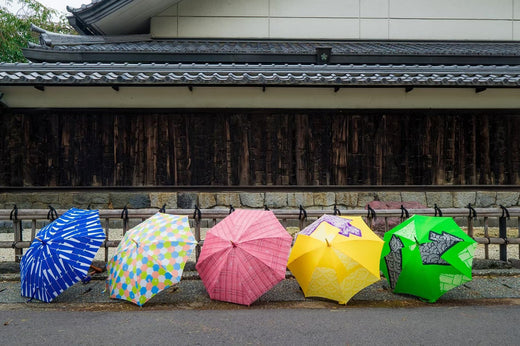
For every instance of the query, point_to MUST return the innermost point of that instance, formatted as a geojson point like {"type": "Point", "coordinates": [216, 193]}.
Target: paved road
{"type": "Point", "coordinates": [431, 325]}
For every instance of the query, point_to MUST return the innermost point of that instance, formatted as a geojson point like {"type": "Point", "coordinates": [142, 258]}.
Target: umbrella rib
{"type": "Point", "coordinates": [267, 271]}
{"type": "Point", "coordinates": [364, 240]}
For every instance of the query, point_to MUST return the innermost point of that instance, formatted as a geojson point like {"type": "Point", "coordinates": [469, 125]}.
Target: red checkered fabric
{"type": "Point", "coordinates": [244, 256]}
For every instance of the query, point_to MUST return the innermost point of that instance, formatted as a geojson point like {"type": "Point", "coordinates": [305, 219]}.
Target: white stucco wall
{"type": "Point", "coordinates": [341, 19]}
{"type": "Point", "coordinates": [256, 97]}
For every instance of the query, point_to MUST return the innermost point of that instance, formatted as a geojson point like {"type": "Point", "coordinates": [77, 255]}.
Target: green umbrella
{"type": "Point", "coordinates": [427, 256]}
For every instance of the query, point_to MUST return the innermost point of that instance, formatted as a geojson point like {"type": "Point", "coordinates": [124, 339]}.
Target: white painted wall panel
{"type": "Point", "coordinates": [376, 29]}
{"type": "Point", "coordinates": [250, 97]}
{"type": "Point", "coordinates": [314, 28]}
{"type": "Point", "coordinates": [313, 8]}
{"type": "Point", "coordinates": [450, 29]}
{"type": "Point", "coordinates": [171, 11]}
{"type": "Point", "coordinates": [373, 8]}
{"type": "Point", "coordinates": [163, 27]}
{"type": "Point", "coordinates": [516, 30]}
{"type": "Point", "coordinates": [342, 19]}
{"type": "Point", "coordinates": [484, 9]}
{"type": "Point", "coordinates": [224, 8]}
{"type": "Point", "coordinates": [516, 9]}
{"type": "Point", "coordinates": [211, 27]}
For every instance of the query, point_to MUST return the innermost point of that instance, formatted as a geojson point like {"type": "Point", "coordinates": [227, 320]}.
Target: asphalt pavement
{"type": "Point", "coordinates": [493, 282]}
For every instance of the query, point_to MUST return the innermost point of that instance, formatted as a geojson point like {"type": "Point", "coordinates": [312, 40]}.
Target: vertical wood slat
{"type": "Point", "coordinates": [91, 148]}
{"type": "Point", "coordinates": [301, 141]}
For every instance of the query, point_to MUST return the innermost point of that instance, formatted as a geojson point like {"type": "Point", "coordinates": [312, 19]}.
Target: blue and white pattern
{"type": "Point", "coordinates": [61, 254]}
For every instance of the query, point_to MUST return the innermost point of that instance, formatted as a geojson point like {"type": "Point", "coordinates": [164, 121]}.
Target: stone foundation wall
{"type": "Point", "coordinates": [273, 200]}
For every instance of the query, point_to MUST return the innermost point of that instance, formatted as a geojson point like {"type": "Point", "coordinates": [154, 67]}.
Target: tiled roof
{"type": "Point", "coordinates": [430, 48]}
{"type": "Point", "coordinates": [363, 75]}
{"type": "Point", "coordinates": [142, 48]}
{"type": "Point", "coordinates": [109, 17]}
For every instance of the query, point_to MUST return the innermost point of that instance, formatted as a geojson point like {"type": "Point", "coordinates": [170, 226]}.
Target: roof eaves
{"type": "Point", "coordinates": [355, 75]}
{"type": "Point", "coordinates": [83, 17]}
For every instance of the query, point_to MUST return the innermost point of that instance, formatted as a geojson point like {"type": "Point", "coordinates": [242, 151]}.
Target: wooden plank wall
{"type": "Point", "coordinates": [224, 147]}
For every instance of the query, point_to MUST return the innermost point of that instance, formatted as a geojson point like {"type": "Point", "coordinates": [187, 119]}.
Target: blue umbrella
{"type": "Point", "coordinates": [61, 254]}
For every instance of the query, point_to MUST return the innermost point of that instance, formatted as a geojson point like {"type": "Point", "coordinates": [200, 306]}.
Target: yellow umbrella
{"type": "Point", "coordinates": [335, 257]}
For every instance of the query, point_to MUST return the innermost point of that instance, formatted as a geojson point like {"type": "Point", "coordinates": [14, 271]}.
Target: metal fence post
{"type": "Point", "coordinates": [197, 215]}
{"type": "Point", "coordinates": [18, 237]}
{"type": "Point", "coordinates": [502, 232]}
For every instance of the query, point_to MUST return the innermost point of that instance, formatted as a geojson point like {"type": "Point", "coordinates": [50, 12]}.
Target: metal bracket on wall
{"type": "Point", "coordinates": [472, 211]}
{"type": "Point", "coordinates": [163, 209]}
{"type": "Point", "coordinates": [2, 104]}
{"type": "Point", "coordinates": [437, 210]}
{"type": "Point", "coordinates": [52, 214]}
{"type": "Point", "coordinates": [404, 212]}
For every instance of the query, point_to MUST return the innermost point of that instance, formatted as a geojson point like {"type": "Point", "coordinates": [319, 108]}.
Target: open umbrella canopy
{"type": "Point", "coordinates": [150, 258]}
{"type": "Point", "coordinates": [335, 257]}
{"type": "Point", "coordinates": [244, 256]}
{"type": "Point", "coordinates": [61, 254]}
{"type": "Point", "coordinates": [427, 256]}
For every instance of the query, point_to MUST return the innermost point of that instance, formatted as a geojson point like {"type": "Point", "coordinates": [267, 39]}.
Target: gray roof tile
{"type": "Point", "coordinates": [142, 48]}
{"type": "Point", "coordinates": [274, 75]}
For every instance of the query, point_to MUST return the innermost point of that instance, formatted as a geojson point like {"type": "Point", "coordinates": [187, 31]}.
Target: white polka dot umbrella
{"type": "Point", "coordinates": [150, 258]}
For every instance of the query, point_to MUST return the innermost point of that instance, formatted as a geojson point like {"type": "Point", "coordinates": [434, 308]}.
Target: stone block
{"type": "Point", "coordinates": [81, 199]}
{"type": "Point", "coordinates": [486, 199]}
{"type": "Point", "coordinates": [47, 199]}
{"type": "Point", "coordinates": [95, 200]}
{"type": "Point", "coordinates": [186, 200]}
{"type": "Point", "coordinates": [462, 199]}
{"type": "Point", "coordinates": [252, 200]}
{"type": "Point", "coordinates": [380, 225]}
{"type": "Point", "coordinates": [508, 199]}
{"type": "Point", "coordinates": [228, 198]}
{"type": "Point", "coordinates": [157, 200]}
{"type": "Point", "coordinates": [207, 200]}
{"type": "Point", "coordinates": [442, 199]}
{"type": "Point", "coordinates": [276, 199]}
{"type": "Point", "coordinates": [66, 200]}
{"type": "Point", "coordinates": [364, 198]}
{"type": "Point", "coordinates": [295, 199]}
{"type": "Point", "coordinates": [324, 199]}
{"type": "Point", "coordinates": [389, 196]}
{"type": "Point", "coordinates": [118, 200]}
{"type": "Point", "coordinates": [347, 199]}
{"type": "Point", "coordinates": [419, 197]}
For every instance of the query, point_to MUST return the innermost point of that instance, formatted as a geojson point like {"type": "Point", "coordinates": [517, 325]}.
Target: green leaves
{"type": "Point", "coordinates": [15, 28]}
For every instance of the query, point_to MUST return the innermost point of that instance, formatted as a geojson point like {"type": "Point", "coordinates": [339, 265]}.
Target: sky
{"type": "Point", "coordinates": [61, 5]}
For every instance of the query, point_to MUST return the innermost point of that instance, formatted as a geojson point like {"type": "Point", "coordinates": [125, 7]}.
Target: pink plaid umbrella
{"type": "Point", "coordinates": [244, 256]}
